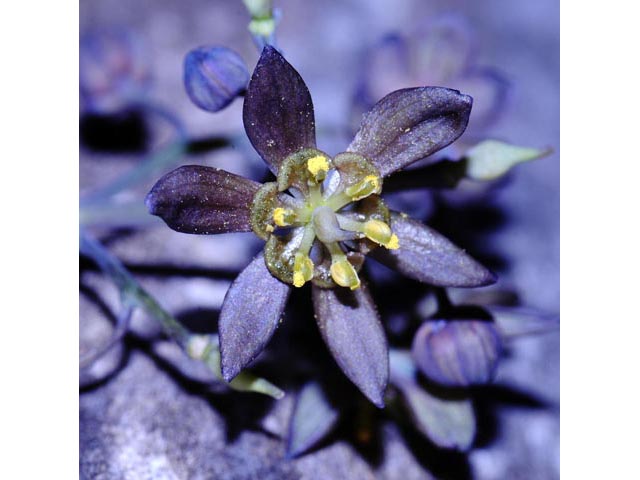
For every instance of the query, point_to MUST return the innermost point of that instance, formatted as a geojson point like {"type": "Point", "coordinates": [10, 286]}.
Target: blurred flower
{"type": "Point", "coordinates": [457, 353]}
{"type": "Point", "coordinates": [330, 219]}
{"type": "Point", "coordinates": [441, 54]}
{"type": "Point", "coordinates": [114, 69]}
{"type": "Point", "coordinates": [214, 77]}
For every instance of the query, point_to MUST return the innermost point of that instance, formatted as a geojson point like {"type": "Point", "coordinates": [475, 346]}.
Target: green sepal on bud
{"type": "Point", "coordinates": [490, 159]}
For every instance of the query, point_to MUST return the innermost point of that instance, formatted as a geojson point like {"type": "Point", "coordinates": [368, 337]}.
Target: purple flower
{"type": "Point", "coordinates": [321, 218]}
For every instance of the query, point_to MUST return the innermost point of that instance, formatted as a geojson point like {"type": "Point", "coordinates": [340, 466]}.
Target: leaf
{"type": "Point", "coordinates": [278, 111]}
{"type": "Point", "coordinates": [312, 420]}
{"type": "Point", "coordinates": [427, 256]}
{"type": "Point", "coordinates": [449, 423]}
{"type": "Point", "coordinates": [410, 124]}
{"type": "Point", "coordinates": [491, 159]}
{"type": "Point", "coordinates": [250, 314]}
{"type": "Point", "coordinates": [351, 328]}
{"type": "Point", "coordinates": [203, 200]}
{"type": "Point", "coordinates": [519, 321]}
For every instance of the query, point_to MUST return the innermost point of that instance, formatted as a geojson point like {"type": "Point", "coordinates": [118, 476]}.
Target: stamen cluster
{"type": "Point", "coordinates": [321, 217]}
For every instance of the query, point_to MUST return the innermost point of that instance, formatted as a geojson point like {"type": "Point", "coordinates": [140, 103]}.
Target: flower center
{"type": "Point", "coordinates": [321, 217]}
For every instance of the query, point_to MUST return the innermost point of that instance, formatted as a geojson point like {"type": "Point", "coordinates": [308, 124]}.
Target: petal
{"type": "Point", "coordinates": [250, 314]}
{"type": "Point", "coordinates": [411, 124]}
{"type": "Point", "coordinates": [350, 326]}
{"type": "Point", "coordinates": [427, 256]}
{"type": "Point", "coordinates": [278, 111]}
{"type": "Point", "coordinates": [313, 418]}
{"type": "Point", "coordinates": [205, 200]}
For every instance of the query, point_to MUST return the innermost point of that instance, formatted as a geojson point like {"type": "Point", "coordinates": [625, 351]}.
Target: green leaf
{"type": "Point", "coordinates": [491, 159]}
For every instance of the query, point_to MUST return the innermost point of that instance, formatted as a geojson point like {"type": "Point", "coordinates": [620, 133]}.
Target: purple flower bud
{"type": "Point", "coordinates": [214, 77]}
{"type": "Point", "coordinates": [114, 69]}
{"type": "Point", "coordinates": [457, 353]}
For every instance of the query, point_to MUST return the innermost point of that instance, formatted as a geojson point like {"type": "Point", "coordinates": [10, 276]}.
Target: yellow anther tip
{"type": "Point", "coordinates": [393, 243]}
{"type": "Point", "coordinates": [318, 166]}
{"type": "Point", "coordinates": [280, 216]}
{"type": "Point", "coordinates": [302, 269]}
{"type": "Point", "coordinates": [298, 279]}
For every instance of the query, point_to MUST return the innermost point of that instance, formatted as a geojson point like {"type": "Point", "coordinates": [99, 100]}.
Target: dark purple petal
{"type": "Point", "coordinates": [313, 418]}
{"type": "Point", "coordinates": [250, 314]}
{"type": "Point", "coordinates": [350, 326]}
{"type": "Point", "coordinates": [214, 77]}
{"type": "Point", "coordinates": [204, 200]}
{"type": "Point", "coordinates": [457, 353]}
{"type": "Point", "coordinates": [278, 111]}
{"type": "Point", "coordinates": [411, 124]}
{"type": "Point", "coordinates": [427, 256]}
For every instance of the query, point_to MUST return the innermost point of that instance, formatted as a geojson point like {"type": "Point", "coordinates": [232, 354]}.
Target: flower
{"type": "Point", "coordinates": [321, 218]}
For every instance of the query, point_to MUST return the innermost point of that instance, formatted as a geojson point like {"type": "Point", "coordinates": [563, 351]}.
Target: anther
{"type": "Point", "coordinates": [283, 217]}
{"type": "Point", "coordinates": [367, 186]}
{"type": "Point", "coordinates": [302, 269]}
{"type": "Point", "coordinates": [381, 233]}
{"type": "Point", "coordinates": [318, 166]}
{"type": "Point", "coordinates": [344, 274]}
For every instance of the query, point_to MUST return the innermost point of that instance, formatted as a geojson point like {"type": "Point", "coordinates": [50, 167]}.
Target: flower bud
{"type": "Point", "coordinates": [113, 70]}
{"type": "Point", "coordinates": [457, 353]}
{"type": "Point", "coordinates": [214, 77]}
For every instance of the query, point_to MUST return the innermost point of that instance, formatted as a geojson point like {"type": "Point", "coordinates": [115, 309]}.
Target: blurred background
{"type": "Point", "coordinates": [139, 418]}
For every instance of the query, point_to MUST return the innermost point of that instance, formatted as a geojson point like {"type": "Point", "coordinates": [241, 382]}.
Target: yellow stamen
{"type": "Point", "coordinates": [381, 233]}
{"type": "Point", "coordinates": [344, 274]}
{"type": "Point", "coordinates": [369, 185]}
{"type": "Point", "coordinates": [318, 166]}
{"type": "Point", "coordinates": [283, 217]}
{"type": "Point", "coordinates": [302, 269]}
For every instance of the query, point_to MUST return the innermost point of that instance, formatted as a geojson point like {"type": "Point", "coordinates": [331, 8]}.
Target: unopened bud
{"type": "Point", "coordinates": [457, 352]}
{"type": "Point", "coordinates": [214, 77]}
